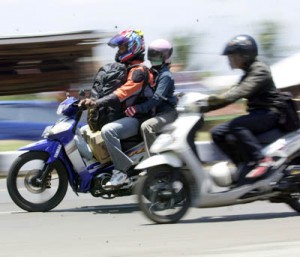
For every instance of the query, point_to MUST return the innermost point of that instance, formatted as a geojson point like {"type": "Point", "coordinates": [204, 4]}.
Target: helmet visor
{"type": "Point", "coordinates": [117, 40]}
{"type": "Point", "coordinates": [154, 56]}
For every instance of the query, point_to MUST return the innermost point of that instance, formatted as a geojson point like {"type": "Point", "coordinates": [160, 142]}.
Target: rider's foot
{"type": "Point", "coordinates": [118, 178]}
{"type": "Point", "coordinates": [261, 168]}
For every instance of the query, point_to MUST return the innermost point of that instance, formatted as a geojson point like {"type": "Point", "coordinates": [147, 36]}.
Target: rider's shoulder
{"type": "Point", "coordinates": [259, 65]}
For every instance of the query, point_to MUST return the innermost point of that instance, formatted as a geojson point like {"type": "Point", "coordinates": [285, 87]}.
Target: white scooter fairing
{"type": "Point", "coordinates": [176, 148]}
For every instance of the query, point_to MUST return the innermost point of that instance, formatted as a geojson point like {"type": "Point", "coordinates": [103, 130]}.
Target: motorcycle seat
{"type": "Point", "coordinates": [130, 142]}
{"type": "Point", "coordinates": [270, 136]}
{"type": "Point", "coordinates": [264, 138]}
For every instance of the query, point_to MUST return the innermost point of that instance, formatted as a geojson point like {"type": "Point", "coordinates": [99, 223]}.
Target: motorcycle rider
{"type": "Point", "coordinates": [131, 49]}
{"type": "Point", "coordinates": [257, 86]}
{"type": "Point", "coordinates": [163, 101]}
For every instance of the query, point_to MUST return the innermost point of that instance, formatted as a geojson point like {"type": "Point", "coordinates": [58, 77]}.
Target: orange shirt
{"type": "Point", "coordinates": [130, 87]}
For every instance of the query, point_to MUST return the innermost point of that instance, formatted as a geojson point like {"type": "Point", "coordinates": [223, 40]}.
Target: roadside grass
{"type": "Point", "coordinates": [12, 145]}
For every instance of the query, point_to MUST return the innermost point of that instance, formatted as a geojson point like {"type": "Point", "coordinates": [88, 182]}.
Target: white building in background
{"type": "Point", "coordinates": [286, 74]}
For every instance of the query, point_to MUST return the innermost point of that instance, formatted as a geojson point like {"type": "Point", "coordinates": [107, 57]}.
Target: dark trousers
{"type": "Point", "coordinates": [244, 128]}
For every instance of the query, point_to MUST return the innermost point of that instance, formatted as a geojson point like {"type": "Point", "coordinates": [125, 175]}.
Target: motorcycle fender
{"type": "Point", "coordinates": [51, 147]}
{"type": "Point", "coordinates": [167, 158]}
{"type": "Point", "coordinates": [54, 149]}
{"type": "Point", "coordinates": [41, 145]}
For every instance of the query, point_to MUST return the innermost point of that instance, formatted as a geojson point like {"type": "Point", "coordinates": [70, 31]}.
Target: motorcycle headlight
{"type": "Point", "coordinates": [57, 128]}
{"type": "Point", "coordinates": [61, 109]}
{"type": "Point", "coordinates": [60, 127]}
{"type": "Point", "coordinates": [46, 131]}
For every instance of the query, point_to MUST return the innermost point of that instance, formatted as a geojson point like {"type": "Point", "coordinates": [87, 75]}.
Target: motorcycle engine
{"type": "Point", "coordinates": [97, 186]}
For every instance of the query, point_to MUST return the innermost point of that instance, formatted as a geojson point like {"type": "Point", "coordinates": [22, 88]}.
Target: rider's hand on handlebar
{"type": "Point", "coordinates": [202, 105]}
{"type": "Point", "coordinates": [88, 103]}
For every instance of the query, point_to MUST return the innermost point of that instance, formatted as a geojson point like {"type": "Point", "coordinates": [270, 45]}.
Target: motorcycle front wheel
{"type": "Point", "coordinates": [25, 188]}
{"type": "Point", "coordinates": [163, 194]}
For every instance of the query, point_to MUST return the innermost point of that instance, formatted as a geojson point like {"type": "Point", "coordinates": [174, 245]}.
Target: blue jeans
{"type": "Point", "coordinates": [244, 129]}
{"type": "Point", "coordinates": [112, 133]}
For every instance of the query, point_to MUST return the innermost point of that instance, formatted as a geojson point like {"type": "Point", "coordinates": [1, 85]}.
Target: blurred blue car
{"type": "Point", "coordinates": [26, 120]}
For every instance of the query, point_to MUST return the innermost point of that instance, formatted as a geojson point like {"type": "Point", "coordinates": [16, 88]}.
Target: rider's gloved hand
{"type": "Point", "coordinates": [130, 111]}
{"type": "Point", "coordinates": [212, 102]}
{"type": "Point", "coordinates": [88, 103]}
{"type": "Point", "coordinates": [204, 109]}
{"type": "Point", "coordinates": [200, 106]}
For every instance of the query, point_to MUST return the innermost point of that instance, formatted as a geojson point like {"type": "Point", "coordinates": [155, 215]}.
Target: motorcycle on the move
{"type": "Point", "coordinates": [38, 179]}
{"type": "Point", "coordinates": [185, 173]}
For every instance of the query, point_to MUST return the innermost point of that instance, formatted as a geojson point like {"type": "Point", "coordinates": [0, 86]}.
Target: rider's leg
{"type": "Point", "coordinates": [245, 128]}
{"type": "Point", "coordinates": [152, 126]}
{"type": "Point", "coordinates": [227, 143]}
{"type": "Point", "coordinates": [112, 133]}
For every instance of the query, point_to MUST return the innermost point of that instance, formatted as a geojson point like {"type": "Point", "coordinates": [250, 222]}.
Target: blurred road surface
{"type": "Point", "coordinates": [86, 226]}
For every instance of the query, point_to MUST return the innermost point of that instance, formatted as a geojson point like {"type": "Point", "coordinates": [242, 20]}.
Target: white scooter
{"type": "Point", "coordinates": [184, 173]}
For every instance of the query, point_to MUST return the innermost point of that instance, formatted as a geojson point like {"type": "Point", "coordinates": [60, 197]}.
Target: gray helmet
{"type": "Point", "coordinates": [242, 44]}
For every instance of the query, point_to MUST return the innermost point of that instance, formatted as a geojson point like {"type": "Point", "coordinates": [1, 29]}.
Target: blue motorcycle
{"type": "Point", "coordinates": [38, 179]}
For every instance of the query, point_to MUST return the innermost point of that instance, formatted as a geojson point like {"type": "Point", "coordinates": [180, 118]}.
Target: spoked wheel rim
{"type": "Point", "coordinates": [26, 188]}
{"type": "Point", "coordinates": [30, 190]}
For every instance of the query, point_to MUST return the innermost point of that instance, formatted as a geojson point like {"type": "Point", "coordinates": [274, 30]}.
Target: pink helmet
{"type": "Point", "coordinates": [159, 52]}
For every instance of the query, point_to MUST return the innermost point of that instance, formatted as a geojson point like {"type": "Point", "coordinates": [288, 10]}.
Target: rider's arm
{"type": "Point", "coordinates": [132, 86]}
{"type": "Point", "coordinates": [250, 84]}
{"type": "Point", "coordinates": [165, 85]}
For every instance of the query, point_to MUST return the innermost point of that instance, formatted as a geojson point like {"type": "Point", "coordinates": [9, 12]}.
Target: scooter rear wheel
{"type": "Point", "coordinates": [25, 189]}
{"type": "Point", "coordinates": [294, 203]}
{"type": "Point", "coordinates": [163, 194]}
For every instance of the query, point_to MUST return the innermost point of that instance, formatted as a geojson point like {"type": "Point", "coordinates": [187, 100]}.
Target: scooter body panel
{"type": "Point", "coordinates": [196, 156]}
{"type": "Point", "coordinates": [168, 158]}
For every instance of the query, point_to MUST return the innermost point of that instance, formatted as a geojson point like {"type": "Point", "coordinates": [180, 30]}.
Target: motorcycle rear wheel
{"type": "Point", "coordinates": [163, 194]}
{"type": "Point", "coordinates": [294, 203]}
{"type": "Point", "coordinates": [23, 186]}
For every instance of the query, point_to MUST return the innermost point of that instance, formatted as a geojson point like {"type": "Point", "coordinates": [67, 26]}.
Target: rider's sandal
{"type": "Point", "coordinates": [261, 168]}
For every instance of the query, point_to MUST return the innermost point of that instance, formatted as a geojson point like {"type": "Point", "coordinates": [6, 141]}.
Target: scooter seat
{"type": "Point", "coordinates": [264, 138]}
{"type": "Point", "coordinates": [270, 136]}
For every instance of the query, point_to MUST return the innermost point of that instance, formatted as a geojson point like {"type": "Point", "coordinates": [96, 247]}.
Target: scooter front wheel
{"type": "Point", "coordinates": [26, 189]}
{"type": "Point", "coordinates": [163, 194]}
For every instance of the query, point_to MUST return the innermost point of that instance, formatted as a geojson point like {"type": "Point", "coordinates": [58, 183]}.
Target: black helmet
{"type": "Point", "coordinates": [242, 44]}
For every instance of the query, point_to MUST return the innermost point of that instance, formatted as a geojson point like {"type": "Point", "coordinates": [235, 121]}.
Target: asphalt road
{"type": "Point", "coordinates": [86, 226]}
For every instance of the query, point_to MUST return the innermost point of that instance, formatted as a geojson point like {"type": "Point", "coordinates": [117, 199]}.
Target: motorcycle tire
{"type": "Point", "coordinates": [26, 192]}
{"type": "Point", "coordinates": [294, 203]}
{"type": "Point", "coordinates": [163, 194]}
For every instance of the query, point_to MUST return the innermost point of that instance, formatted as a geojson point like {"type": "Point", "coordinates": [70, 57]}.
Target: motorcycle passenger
{"type": "Point", "coordinates": [257, 86]}
{"type": "Point", "coordinates": [131, 49]}
{"type": "Point", "coordinates": [163, 101]}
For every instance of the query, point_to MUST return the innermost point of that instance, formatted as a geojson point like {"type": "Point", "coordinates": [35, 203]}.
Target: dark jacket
{"type": "Point", "coordinates": [163, 99]}
{"type": "Point", "coordinates": [132, 90]}
{"type": "Point", "coordinates": [256, 85]}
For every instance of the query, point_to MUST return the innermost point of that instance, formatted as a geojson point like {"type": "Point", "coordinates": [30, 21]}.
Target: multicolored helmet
{"type": "Point", "coordinates": [133, 39]}
{"type": "Point", "coordinates": [159, 52]}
